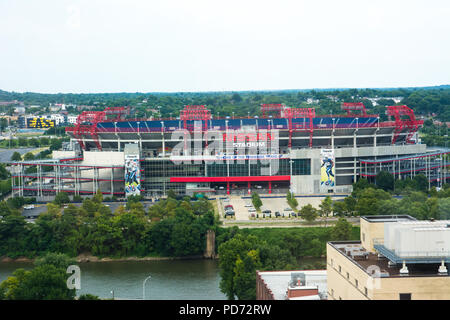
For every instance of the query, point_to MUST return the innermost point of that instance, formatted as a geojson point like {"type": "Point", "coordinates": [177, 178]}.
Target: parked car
{"type": "Point", "coordinates": [29, 207]}
{"type": "Point", "coordinates": [251, 210]}
{"type": "Point", "coordinates": [293, 214]}
{"type": "Point", "coordinates": [228, 206]}
{"type": "Point", "coordinates": [267, 211]}
{"type": "Point", "coordinates": [277, 214]}
{"type": "Point", "coordinates": [226, 200]}
{"type": "Point", "coordinates": [229, 213]}
{"type": "Point", "coordinates": [288, 209]}
{"type": "Point", "coordinates": [249, 205]}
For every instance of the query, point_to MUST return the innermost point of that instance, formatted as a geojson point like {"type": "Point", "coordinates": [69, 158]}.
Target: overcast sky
{"type": "Point", "coordinates": [208, 45]}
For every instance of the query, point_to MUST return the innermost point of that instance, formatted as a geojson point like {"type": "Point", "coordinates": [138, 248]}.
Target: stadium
{"type": "Point", "coordinates": [284, 149]}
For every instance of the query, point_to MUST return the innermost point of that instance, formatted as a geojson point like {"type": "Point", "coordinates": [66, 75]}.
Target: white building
{"type": "Point", "coordinates": [72, 119]}
{"type": "Point", "coordinates": [58, 118]}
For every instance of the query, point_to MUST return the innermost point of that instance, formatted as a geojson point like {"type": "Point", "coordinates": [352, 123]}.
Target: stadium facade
{"type": "Point", "coordinates": [284, 149]}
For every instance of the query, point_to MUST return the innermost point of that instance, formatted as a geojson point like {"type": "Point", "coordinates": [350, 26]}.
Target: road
{"type": "Point", "coordinates": [6, 154]}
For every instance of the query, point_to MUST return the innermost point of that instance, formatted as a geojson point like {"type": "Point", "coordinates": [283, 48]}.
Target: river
{"type": "Point", "coordinates": [170, 279]}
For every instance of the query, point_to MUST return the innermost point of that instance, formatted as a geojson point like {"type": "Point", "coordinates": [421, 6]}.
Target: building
{"type": "Point", "coordinates": [59, 119]}
{"type": "Point", "coordinates": [72, 119]}
{"type": "Point", "coordinates": [291, 285]}
{"type": "Point", "coordinates": [398, 258]}
{"type": "Point", "coordinates": [284, 149]}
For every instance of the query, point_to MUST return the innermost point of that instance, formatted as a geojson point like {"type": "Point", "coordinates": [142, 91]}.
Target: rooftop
{"type": "Point", "coordinates": [396, 218]}
{"type": "Point", "coordinates": [278, 281]}
{"type": "Point", "coordinates": [372, 263]}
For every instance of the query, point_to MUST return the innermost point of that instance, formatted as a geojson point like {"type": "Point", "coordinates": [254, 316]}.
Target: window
{"type": "Point", "coordinates": [331, 262]}
{"type": "Point", "coordinates": [356, 283]}
{"type": "Point", "coordinates": [348, 275]}
{"type": "Point", "coordinates": [365, 291]}
{"type": "Point", "coordinates": [364, 237]}
{"type": "Point", "coordinates": [332, 292]}
{"type": "Point", "coordinates": [340, 269]}
{"type": "Point", "coordinates": [405, 296]}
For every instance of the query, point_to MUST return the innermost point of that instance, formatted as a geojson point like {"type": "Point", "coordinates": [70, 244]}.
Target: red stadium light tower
{"type": "Point", "coordinates": [198, 112]}
{"type": "Point", "coordinates": [267, 108]}
{"type": "Point", "coordinates": [404, 118]}
{"type": "Point", "coordinates": [87, 124]}
{"type": "Point", "coordinates": [309, 113]}
{"type": "Point", "coordinates": [351, 107]}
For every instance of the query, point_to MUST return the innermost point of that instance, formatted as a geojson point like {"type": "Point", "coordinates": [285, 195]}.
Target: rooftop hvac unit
{"type": "Point", "coordinates": [298, 279]}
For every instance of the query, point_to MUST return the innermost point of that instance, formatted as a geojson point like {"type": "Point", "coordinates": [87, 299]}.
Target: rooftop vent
{"type": "Point", "coordinates": [298, 279]}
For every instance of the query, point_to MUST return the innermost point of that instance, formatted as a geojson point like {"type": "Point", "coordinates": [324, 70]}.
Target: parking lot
{"type": "Point", "coordinates": [273, 204]}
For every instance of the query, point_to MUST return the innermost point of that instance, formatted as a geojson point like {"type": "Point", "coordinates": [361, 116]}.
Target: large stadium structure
{"type": "Point", "coordinates": [284, 149]}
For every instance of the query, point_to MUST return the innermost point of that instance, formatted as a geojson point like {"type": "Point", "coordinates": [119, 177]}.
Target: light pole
{"type": "Point", "coordinates": [143, 287]}
{"type": "Point", "coordinates": [290, 184]}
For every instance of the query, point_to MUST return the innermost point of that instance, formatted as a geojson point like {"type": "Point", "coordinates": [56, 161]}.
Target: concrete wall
{"type": "Point", "coordinates": [63, 154]}
{"type": "Point", "coordinates": [111, 158]}
{"type": "Point", "coordinates": [311, 184]}
{"type": "Point", "coordinates": [339, 285]}
{"type": "Point", "coordinates": [421, 288]}
{"type": "Point", "coordinates": [370, 231]}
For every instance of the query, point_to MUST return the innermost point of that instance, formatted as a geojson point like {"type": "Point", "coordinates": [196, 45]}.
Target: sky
{"type": "Point", "coordinates": [91, 46]}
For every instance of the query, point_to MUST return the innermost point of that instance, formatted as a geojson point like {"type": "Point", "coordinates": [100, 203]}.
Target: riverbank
{"type": "Point", "coordinates": [83, 258]}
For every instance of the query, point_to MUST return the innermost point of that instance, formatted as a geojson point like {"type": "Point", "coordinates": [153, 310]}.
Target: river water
{"type": "Point", "coordinates": [170, 279]}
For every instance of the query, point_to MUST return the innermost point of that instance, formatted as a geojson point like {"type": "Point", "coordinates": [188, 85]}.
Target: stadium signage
{"type": "Point", "coordinates": [247, 137]}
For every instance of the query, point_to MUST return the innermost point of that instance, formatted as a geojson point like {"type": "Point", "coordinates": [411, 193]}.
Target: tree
{"type": "Point", "coordinates": [342, 230]}
{"type": "Point", "coordinates": [245, 275]}
{"type": "Point", "coordinates": [4, 174]}
{"type": "Point", "coordinates": [61, 198]}
{"type": "Point", "coordinates": [292, 201]}
{"type": "Point", "coordinates": [55, 144]}
{"type": "Point", "coordinates": [308, 212]}
{"type": "Point", "coordinates": [171, 194]}
{"type": "Point", "coordinates": [368, 201]}
{"type": "Point", "coordinates": [16, 156]}
{"type": "Point", "coordinates": [231, 253]}
{"type": "Point", "coordinates": [45, 282]}
{"type": "Point", "coordinates": [385, 180]}
{"type": "Point", "coordinates": [326, 207]}
{"type": "Point", "coordinates": [22, 142]}
{"type": "Point", "coordinates": [28, 156]}
{"type": "Point", "coordinates": [339, 208]}
{"type": "Point", "coordinates": [59, 260]}
{"type": "Point", "coordinates": [98, 197]}
{"type": "Point", "coordinates": [420, 182]}
{"type": "Point", "coordinates": [256, 200]}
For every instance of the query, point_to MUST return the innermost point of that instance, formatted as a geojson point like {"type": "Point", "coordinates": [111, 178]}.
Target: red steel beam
{"type": "Point", "coordinates": [230, 179]}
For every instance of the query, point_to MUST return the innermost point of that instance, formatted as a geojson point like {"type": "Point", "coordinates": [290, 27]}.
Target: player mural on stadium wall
{"type": "Point", "coordinates": [327, 178]}
{"type": "Point", "coordinates": [132, 176]}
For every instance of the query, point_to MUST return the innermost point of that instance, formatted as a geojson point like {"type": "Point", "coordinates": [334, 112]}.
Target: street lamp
{"type": "Point", "coordinates": [290, 185]}
{"type": "Point", "coordinates": [143, 287]}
